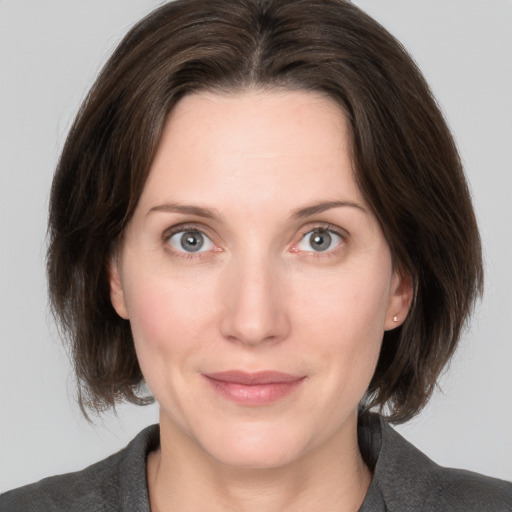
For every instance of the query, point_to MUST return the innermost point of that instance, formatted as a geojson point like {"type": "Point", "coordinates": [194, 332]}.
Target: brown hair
{"type": "Point", "coordinates": [407, 167]}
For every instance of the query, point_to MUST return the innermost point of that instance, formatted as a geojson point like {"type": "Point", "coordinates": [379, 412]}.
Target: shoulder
{"type": "Point", "coordinates": [407, 479]}
{"type": "Point", "coordinates": [73, 491]}
{"type": "Point", "coordinates": [100, 487]}
{"type": "Point", "coordinates": [467, 491]}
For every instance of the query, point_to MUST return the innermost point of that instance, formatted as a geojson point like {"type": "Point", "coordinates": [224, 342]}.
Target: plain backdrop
{"type": "Point", "coordinates": [50, 51]}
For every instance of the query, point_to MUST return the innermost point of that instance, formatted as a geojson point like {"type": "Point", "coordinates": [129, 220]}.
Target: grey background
{"type": "Point", "coordinates": [50, 51]}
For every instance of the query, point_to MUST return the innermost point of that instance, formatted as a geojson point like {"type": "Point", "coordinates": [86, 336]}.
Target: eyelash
{"type": "Point", "coordinates": [316, 227]}
{"type": "Point", "coordinates": [168, 233]}
{"type": "Point", "coordinates": [321, 228]}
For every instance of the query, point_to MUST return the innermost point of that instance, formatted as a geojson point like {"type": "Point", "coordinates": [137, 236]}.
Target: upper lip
{"type": "Point", "coordinates": [253, 378]}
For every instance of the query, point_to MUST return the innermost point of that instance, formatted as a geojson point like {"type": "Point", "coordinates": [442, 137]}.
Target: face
{"type": "Point", "coordinates": [257, 282]}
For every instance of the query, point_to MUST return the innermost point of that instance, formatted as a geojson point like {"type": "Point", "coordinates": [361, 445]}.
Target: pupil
{"type": "Point", "coordinates": [320, 241]}
{"type": "Point", "coordinates": [192, 241]}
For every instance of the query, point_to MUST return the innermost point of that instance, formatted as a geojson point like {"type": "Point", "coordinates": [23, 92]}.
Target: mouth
{"type": "Point", "coordinates": [253, 389]}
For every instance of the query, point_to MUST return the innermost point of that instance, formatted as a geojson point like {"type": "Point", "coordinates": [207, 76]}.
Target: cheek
{"type": "Point", "coordinates": [164, 325]}
{"type": "Point", "coordinates": [352, 304]}
{"type": "Point", "coordinates": [345, 316]}
{"type": "Point", "coordinates": [150, 303]}
{"type": "Point", "coordinates": [148, 307]}
{"type": "Point", "coordinates": [168, 313]}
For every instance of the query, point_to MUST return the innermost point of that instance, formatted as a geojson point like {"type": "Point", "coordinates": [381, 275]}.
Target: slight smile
{"type": "Point", "coordinates": [253, 389]}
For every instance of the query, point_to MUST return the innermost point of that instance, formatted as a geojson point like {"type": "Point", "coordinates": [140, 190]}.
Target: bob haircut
{"type": "Point", "coordinates": [406, 165]}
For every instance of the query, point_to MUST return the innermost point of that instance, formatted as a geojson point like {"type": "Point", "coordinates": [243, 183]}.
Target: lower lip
{"type": "Point", "coordinates": [254, 394]}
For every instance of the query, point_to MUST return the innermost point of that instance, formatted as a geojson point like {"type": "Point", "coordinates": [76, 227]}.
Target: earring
{"type": "Point", "coordinates": [395, 319]}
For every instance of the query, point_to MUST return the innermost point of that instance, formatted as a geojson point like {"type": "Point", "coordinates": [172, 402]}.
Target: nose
{"type": "Point", "coordinates": [254, 311]}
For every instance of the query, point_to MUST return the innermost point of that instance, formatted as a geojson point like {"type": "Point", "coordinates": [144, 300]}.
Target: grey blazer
{"type": "Point", "coordinates": [404, 480]}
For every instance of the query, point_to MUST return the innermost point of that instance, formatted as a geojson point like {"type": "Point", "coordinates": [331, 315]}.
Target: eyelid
{"type": "Point", "coordinates": [320, 227]}
{"type": "Point", "coordinates": [310, 228]}
{"type": "Point", "coordinates": [323, 226]}
{"type": "Point", "coordinates": [183, 228]}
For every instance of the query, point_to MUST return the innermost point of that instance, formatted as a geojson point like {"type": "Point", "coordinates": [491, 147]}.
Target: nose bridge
{"type": "Point", "coordinates": [253, 311]}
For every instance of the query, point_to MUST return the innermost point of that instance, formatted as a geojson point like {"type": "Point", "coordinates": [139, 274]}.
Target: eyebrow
{"type": "Point", "coordinates": [185, 209]}
{"type": "Point", "coordinates": [306, 211]}
{"type": "Point", "coordinates": [323, 206]}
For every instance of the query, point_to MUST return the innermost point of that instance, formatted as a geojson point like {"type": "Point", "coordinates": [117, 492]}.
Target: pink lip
{"type": "Point", "coordinates": [260, 388]}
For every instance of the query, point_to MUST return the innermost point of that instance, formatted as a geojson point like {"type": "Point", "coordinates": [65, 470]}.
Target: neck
{"type": "Point", "coordinates": [182, 477]}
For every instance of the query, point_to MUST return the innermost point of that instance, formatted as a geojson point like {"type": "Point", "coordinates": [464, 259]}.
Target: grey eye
{"type": "Point", "coordinates": [190, 241]}
{"type": "Point", "coordinates": [319, 240]}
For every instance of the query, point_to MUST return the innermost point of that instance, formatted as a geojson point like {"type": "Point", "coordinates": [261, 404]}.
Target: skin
{"type": "Point", "coordinates": [259, 295]}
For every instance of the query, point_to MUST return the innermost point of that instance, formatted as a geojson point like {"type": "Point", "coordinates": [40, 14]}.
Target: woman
{"type": "Point", "coordinates": [260, 213]}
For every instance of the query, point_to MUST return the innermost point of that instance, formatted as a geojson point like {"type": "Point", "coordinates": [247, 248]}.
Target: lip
{"type": "Point", "coordinates": [253, 389]}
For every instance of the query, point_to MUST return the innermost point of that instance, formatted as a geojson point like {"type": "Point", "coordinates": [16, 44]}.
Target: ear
{"type": "Point", "coordinates": [400, 300]}
{"type": "Point", "coordinates": [117, 297]}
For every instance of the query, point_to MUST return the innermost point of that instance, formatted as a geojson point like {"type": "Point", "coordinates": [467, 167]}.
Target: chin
{"type": "Point", "coordinates": [256, 457]}
{"type": "Point", "coordinates": [255, 448]}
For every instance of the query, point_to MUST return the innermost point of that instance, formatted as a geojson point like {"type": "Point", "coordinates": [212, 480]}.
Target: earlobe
{"type": "Point", "coordinates": [116, 288]}
{"type": "Point", "coordinates": [400, 300]}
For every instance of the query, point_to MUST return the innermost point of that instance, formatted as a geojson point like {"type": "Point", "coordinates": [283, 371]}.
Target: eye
{"type": "Point", "coordinates": [190, 241]}
{"type": "Point", "coordinates": [319, 240]}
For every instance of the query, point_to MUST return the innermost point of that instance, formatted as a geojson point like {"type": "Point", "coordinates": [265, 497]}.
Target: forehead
{"type": "Point", "coordinates": [259, 116]}
{"type": "Point", "coordinates": [251, 145]}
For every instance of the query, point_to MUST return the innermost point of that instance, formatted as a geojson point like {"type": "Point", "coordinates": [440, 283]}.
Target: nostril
{"type": "Point", "coordinates": [252, 324]}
